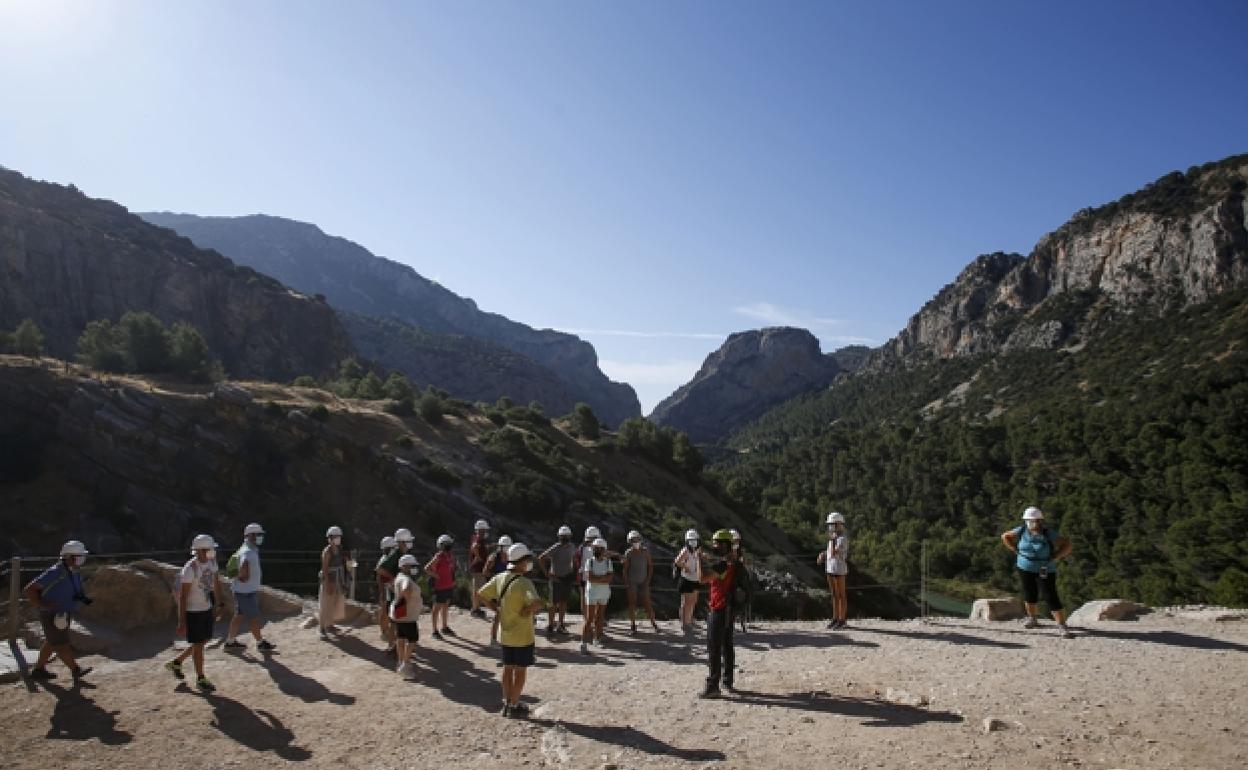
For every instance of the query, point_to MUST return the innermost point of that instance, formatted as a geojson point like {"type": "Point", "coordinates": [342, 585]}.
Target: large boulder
{"type": "Point", "coordinates": [87, 638]}
{"type": "Point", "coordinates": [998, 609]}
{"type": "Point", "coordinates": [125, 598]}
{"type": "Point", "coordinates": [1107, 609]}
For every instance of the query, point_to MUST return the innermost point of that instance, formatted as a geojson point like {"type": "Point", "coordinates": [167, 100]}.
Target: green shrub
{"type": "Point", "coordinates": [320, 413]}
{"type": "Point", "coordinates": [430, 409]}
{"type": "Point", "coordinates": [28, 340]}
{"type": "Point", "coordinates": [100, 347]}
{"type": "Point", "coordinates": [304, 381]}
{"type": "Point", "coordinates": [404, 408]}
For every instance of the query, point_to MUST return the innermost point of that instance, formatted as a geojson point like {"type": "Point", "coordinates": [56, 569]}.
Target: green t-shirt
{"type": "Point", "coordinates": [391, 563]}
{"type": "Point", "coordinates": [517, 629]}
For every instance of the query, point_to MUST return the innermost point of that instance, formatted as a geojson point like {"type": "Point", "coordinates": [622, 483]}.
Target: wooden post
{"type": "Point", "coordinates": [15, 596]}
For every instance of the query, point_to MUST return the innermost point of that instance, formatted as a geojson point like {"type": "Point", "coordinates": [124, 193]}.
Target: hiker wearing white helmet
{"type": "Point", "coordinates": [835, 563]}
{"type": "Point", "coordinates": [496, 564]}
{"type": "Point", "coordinates": [388, 570]}
{"type": "Point", "coordinates": [638, 571]}
{"type": "Point", "coordinates": [559, 564]}
{"type": "Point", "coordinates": [336, 570]}
{"type": "Point", "coordinates": [1038, 549]}
{"type": "Point", "coordinates": [199, 605]}
{"type": "Point", "coordinates": [441, 571]}
{"type": "Point", "coordinates": [478, 553]}
{"type": "Point", "coordinates": [688, 565]}
{"type": "Point", "coordinates": [56, 593]}
{"type": "Point", "coordinates": [598, 570]}
{"type": "Point", "coordinates": [243, 569]}
{"type": "Point", "coordinates": [385, 590]}
{"type": "Point", "coordinates": [516, 599]}
{"type": "Point", "coordinates": [744, 581]}
{"type": "Point", "coordinates": [404, 613]}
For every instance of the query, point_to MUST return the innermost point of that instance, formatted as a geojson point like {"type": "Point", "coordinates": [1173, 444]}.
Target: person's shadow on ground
{"type": "Point", "coordinates": [78, 718]}
{"type": "Point", "coordinates": [949, 637]}
{"type": "Point", "coordinates": [458, 679]}
{"type": "Point", "coordinates": [303, 687]}
{"type": "Point", "coordinates": [876, 713]}
{"type": "Point", "coordinates": [632, 738]}
{"type": "Point", "coordinates": [258, 730]}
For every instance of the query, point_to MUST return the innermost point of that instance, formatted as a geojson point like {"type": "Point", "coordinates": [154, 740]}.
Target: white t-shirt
{"type": "Point", "coordinates": [838, 552]}
{"type": "Point", "coordinates": [200, 576]}
{"type": "Point", "coordinates": [692, 569]}
{"type": "Point", "coordinates": [251, 557]}
{"type": "Point", "coordinates": [597, 567]}
{"type": "Point", "coordinates": [406, 587]}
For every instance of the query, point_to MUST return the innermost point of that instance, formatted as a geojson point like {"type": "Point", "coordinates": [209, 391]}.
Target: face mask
{"type": "Point", "coordinates": [78, 561]}
{"type": "Point", "coordinates": [636, 543]}
{"type": "Point", "coordinates": [259, 539]}
{"type": "Point", "coordinates": [693, 543]}
{"type": "Point", "coordinates": [335, 540]}
{"type": "Point", "coordinates": [212, 554]}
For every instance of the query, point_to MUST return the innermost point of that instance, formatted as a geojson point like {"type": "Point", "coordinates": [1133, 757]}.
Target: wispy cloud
{"type": "Point", "coordinates": [645, 334]}
{"type": "Point", "coordinates": [672, 372]}
{"type": "Point", "coordinates": [778, 316]}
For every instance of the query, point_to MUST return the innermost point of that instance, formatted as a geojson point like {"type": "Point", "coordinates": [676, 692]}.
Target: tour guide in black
{"type": "Point", "coordinates": [722, 578]}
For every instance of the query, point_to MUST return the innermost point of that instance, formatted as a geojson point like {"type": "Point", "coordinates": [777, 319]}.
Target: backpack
{"type": "Point", "coordinates": [234, 564]}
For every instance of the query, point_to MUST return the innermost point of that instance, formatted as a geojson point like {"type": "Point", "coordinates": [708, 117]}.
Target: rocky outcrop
{"type": "Point", "coordinates": [1180, 241]}
{"type": "Point", "coordinates": [750, 373]}
{"type": "Point", "coordinates": [354, 280]}
{"type": "Point", "coordinates": [66, 260]}
{"type": "Point", "coordinates": [1107, 609]}
{"type": "Point", "coordinates": [1009, 608]}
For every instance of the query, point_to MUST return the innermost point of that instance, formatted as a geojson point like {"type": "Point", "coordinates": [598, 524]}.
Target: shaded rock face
{"type": "Point", "coordinates": [750, 373]}
{"type": "Point", "coordinates": [354, 280]}
{"type": "Point", "coordinates": [66, 260]}
{"type": "Point", "coordinates": [1178, 242]}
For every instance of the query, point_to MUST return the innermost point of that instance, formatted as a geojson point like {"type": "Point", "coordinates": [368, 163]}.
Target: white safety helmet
{"type": "Point", "coordinates": [389, 542]}
{"type": "Point", "coordinates": [203, 543]}
{"type": "Point", "coordinates": [407, 560]}
{"type": "Point", "coordinates": [253, 529]}
{"type": "Point", "coordinates": [445, 540]}
{"type": "Point", "coordinates": [74, 548]}
{"type": "Point", "coordinates": [517, 552]}
{"type": "Point", "coordinates": [404, 535]}
{"type": "Point", "coordinates": [565, 531]}
{"type": "Point", "coordinates": [1033, 514]}
{"type": "Point", "coordinates": [592, 532]}
{"type": "Point", "coordinates": [835, 518]}
{"type": "Point", "coordinates": [736, 536]}
{"type": "Point", "coordinates": [333, 532]}
{"type": "Point", "coordinates": [504, 541]}
{"type": "Point", "coordinates": [481, 524]}
{"type": "Point", "coordinates": [600, 543]}
{"type": "Point", "coordinates": [633, 535]}
{"type": "Point", "coordinates": [691, 535]}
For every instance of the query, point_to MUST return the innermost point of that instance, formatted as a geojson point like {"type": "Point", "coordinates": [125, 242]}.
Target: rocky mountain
{"type": "Point", "coordinates": [1181, 240]}
{"type": "Point", "coordinates": [66, 260]}
{"type": "Point", "coordinates": [352, 279]}
{"type": "Point", "coordinates": [750, 373]}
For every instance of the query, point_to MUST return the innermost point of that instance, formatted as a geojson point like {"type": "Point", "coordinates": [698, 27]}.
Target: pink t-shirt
{"type": "Point", "coordinates": [443, 571]}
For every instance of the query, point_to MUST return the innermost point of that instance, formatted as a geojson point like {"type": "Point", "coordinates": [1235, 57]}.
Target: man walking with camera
{"type": "Point", "coordinates": [56, 593]}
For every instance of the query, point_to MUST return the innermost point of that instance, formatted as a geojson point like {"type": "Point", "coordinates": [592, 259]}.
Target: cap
{"type": "Point", "coordinates": [403, 535]}
{"type": "Point", "coordinates": [389, 542]}
{"type": "Point", "coordinates": [202, 543]}
{"type": "Point", "coordinates": [1033, 514]}
{"type": "Point", "coordinates": [600, 543]}
{"type": "Point", "coordinates": [835, 518]}
{"type": "Point", "coordinates": [504, 541]}
{"type": "Point", "coordinates": [445, 540]}
{"type": "Point", "coordinates": [592, 532]}
{"type": "Point", "coordinates": [565, 530]}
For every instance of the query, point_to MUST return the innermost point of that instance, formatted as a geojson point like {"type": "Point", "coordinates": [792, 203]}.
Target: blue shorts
{"type": "Point", "coordinates": [247, 605]}
{"type": "Point", "coordinates": [518, 656]}
{"type": "Point", "coordinates": [443, 595]}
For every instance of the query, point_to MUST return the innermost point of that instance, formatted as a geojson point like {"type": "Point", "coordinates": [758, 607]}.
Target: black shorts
{"type": "Point", "coordinates": [443, 595]}
{"type": "Point", "coordinates": [1033, 584]}
{"type": "Point", "coordinates": [688, 586]}
{"type": "Point", "coordinates": [561, 589]}
{"type": "Point", "coordinates": [408, 631]}
{"type": "Point", "coordinates": [199, 626]}
{"type": "Point", "coordinates": [53, 636]}
{"type": "Point", "coordinates": [518, 656]}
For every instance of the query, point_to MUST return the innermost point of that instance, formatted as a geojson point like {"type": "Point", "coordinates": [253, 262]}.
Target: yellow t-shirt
{"type": "Point", "coordinates": [516, 629]}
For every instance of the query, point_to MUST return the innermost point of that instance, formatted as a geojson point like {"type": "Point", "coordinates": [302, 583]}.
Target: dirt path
{"type": "Point", "coordinates": [1156, 693]}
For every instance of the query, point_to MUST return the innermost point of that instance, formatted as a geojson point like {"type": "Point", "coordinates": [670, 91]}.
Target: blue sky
{"type": "Point", "coordinates": [651, 175]}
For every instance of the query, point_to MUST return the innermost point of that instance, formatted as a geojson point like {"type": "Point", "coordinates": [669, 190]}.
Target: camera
{"type": "Point", "coordinates": [84, 599]}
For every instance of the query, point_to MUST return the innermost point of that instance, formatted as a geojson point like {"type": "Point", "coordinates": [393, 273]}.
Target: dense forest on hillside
{"type": "Point", "coordinates": [1134, 443]}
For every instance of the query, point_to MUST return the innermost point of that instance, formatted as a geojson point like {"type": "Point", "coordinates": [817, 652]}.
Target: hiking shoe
{"type": "Point", "coordinates": [710, 693]}
{"type": "Point", "coordinates": [730, 688]}
{"type": "Point", "coordinates": [81, 671]}
{"type": "Point", "coordinates": [265, 645]}
{"type": "Point", "coordinates": [632, 631]}
{"type": "Point", "coordinates": [203, 684]}
{"type": "Point", "coordinates": [1064, 632]}
{"type": "Point", "coordinates": [448, 632]}
{"type": "Point", "coordinates": [324, 636]}
{"type": "Point", "coordinates": [584, 648]}
{"type": "Point", "coordinates": [520, 710]}
{"type": "Point", "coordinates": [233, 644]}
{"type": "Point", "coordinates": [1031, 623]}
{"type": "Point", "coordinates": [478, 613]}
{"type": "Point", "coordinates": [438, 636]}
{"type": "Point", "coordinates": [175, 668]}
{"type": "Point", "coordinates": [831, 625]}
{"type": "Point", "coordinates": [41, 674]}
{"type": "Point", "coordinates": [506, 712]}
{"type": "Point", "coordinates": [563, 629]}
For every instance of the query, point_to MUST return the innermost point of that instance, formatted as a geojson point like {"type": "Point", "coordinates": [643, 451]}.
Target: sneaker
{"type": "Point", "coordinates": [448, 632]}
{"type": "Point", "coordinates": [730, 688]}
{"type": "Point", "coordinates": [584, 648]}
{"type": "Point", "coordinates": [175, 668]}
{"type": "Point", "coordinates": [265, 645]}
{"type": "Point", "coordinates": [438, 636]}
{"type": "Point", "coordinates": [831, 625]}
{"type": "Point", "coordinates": [550, 632]}
{"type": "Point", "coordinates": [632, 631]}
{"type": "Point", "coordinates": [203, 684]}
{"type": "Point", "coordinates": [1031, 623]}
{"type": "Point", "coordinates": [1065, 632]}
{"type": "Point", "coordinates": [493, 641]}
{"type": "Point", "coordinates": [520, 710]}
{"type": "Point", "coordinates": [233, 644]}
{"type": "Point", "coordinates": [324, 636]}
{"type": "Point", "coordinates": [841, 624]}
{"type": "Point", "coordinates": [81, 671]}
{"type": "Point", "coordinates": [562, 629]}
{"type": "Point", "coordinates": [409, 672]}
{"type": "Point", "coordinates": [710, 693]}
{"type": "Point", "coordinates": [506, 710]}
{"type": "Point", "coordinates": [42, 674]}
{"type": "Point", "coordinates": [657, 630]}
{"type": "Point", "coordinates": [478, 613]}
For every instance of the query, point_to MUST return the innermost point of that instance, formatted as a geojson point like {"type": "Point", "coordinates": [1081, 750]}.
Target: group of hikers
{"type": "Point", "coordinates": [502, 574]}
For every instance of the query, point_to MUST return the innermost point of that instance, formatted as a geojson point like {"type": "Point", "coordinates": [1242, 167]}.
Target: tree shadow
{"type": "Point", "coordinates": [948, 637]}
{"type": "Point", "coordinates": [258, 730]}
{"type": "Point", "coordinates": [78, 718]}
{"type": "Point", "coordinates": [1172, 638]}
{"type": "Point", "coordinates": [305, 688]}
{"type": "Point", "coordinates": [632, 738]}
{"type": "Point", "coordinates": [876, 713]}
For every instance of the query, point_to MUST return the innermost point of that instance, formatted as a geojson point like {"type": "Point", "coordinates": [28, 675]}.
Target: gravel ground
{"type": "Point", "coordinates": [1166, 691]}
